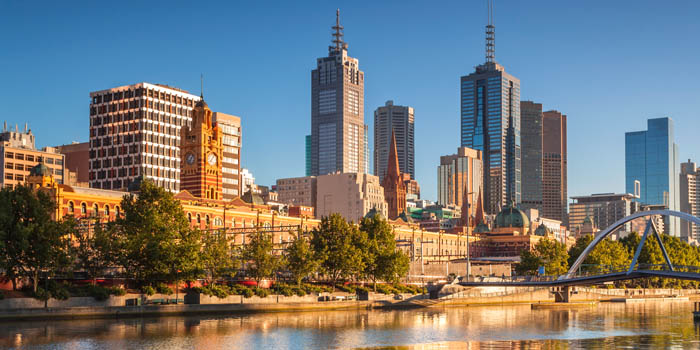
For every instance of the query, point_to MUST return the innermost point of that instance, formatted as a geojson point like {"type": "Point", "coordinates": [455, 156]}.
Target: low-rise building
{"type": "Point", "coordinates": [18, 155]}
{"type": "Point", "coordinates": [603, 209]}
{"type": "Point", "coordinates": [297, 191]}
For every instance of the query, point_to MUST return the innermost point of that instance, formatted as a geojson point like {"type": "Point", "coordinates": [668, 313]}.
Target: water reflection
{"type": "Point", "coordinates": [643, 325]}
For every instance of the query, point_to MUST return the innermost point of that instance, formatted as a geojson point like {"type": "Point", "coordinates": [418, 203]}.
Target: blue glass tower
{"type": "Point", "coordinates": [490, 123]}
{"type": "Point", "coordinates": [651, 157]}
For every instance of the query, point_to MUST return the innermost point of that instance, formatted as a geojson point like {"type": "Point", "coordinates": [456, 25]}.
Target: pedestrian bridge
{"type": "Point", "coordinates": [634, 271]}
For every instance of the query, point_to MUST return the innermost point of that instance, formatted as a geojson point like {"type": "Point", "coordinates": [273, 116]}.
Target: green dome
{"type": "Point", "coordinates": [40, 170]}
{"type": "Point", "coordinates": [372, 213]}
{"type": "Point", "coordinates": [587, 220]}
{"type": "Point", "coordinates": [541, 230]}
{"type": "Point", "coordinates": [252, 198]}
{"type": "Point", "coordinates": [481, 228]}
{"type": "Point", "coordinates": [511, 216]}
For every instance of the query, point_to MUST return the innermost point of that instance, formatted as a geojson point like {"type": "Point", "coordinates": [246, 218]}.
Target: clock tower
{"type": "Point", "coordinates": [201, 150]}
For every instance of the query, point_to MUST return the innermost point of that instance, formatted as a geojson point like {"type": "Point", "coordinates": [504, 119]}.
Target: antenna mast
{"type": "Point", "coordinates": [201, 86]}
{"type": "Point", "coordinates": [490, 34]}
{"type": "Point", "coordinates": [338, 34]}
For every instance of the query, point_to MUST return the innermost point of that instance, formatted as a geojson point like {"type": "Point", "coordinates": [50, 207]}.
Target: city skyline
{"type": "Point", "coordinates": [237, 92]}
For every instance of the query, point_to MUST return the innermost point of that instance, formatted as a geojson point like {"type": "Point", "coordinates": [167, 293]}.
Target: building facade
{"type": "Point", "coordinates": [299, 191]}
{"type": "Point", "coordinates": [77, 157]}
{"type": "Point", "coordinates": [393, 184]}
{"type": "Point", "coordinates": [651, 159]}
{"type": "Point", "coordinates": [338, 140]}
{"type": "Point", "coordinates": [135, 131]}
{"type": "Point", "coordinates": [398, 120]}
{"type": "Point", "coordinates": [18, 155]}
{"type": "Point", "coordinates": [602, 210]}
{"type": "Point", "coordinates": [460, 174]}
{"type": "Point", "coordinates": [231, 163]}
{"type": "Point", "coordinates": [352, 195]}
{"type": "Point", "coordinates": [307, 152]}
{"type": "Point", "coordinates": [689, 193]}
{"type": "Point", "coordinates": [531, 133]}
{"type": "Point", "coordinates": [202, 155]}
{"type": "Point", "coordinates": [490, 123]}
{"type": "Point", "coordinates": [554, 167]}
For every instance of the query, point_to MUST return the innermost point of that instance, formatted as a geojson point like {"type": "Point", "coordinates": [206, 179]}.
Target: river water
{"type": "Point", "coordinates": [651, 325]}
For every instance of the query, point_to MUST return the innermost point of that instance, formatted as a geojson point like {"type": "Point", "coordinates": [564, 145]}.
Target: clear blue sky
{"type": "Point", "coordinates": [608, 65]}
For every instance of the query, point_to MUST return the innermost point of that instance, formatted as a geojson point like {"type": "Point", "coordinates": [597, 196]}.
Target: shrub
{"type": "Point", "coordinates": [361, 289]}
{"type": "Point", "coordinates": [261, 292]}
{"type": "Point", "coordinates": [164, 289]}
{"type": "Point", "coordinates": [346, 288]}
{"type": "Point", "coordinates": [247, 292]}
{"type": "Point", "coordinates": [41, 294]}
{"type": "Point", "coordinates": [118, 291]}
{"type": "Point", "coordinates": [299, 291]}
{"type": "Point", "coordinates": [148, 290]}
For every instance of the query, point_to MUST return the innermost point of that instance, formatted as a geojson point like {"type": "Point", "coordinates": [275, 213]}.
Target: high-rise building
{"type": "Point", "coordinates": [651, 163]}
{"type": "Point", "coordinates": [393, 184]}
{"type": "Point", "coordinates": [601, 210]}
{"type": "Point", "coordinates": [77, 155]}
{"type": "Point", "coordinates": [307, 148]}
{"type": "Point", "coordinates": [135, 131]}
{"type": "Point", "coordinates": [333, 191]}
{"type": "Point", "coordinates": [554, 167]}
{"type": "Point", "coordinates": [531, 137]}
{"type": "Point", "coordinates": [689, 191]}
{"type": "Point", "coordinates": [202, 154]}
{"type": "Point", "coordinates": [338, 141]}
{"type": "Point", "coordinates": [399, 120]}
{"type": "Point", "coordinates": [231, 164]}
{"type": "Point", "coordinates": [18, 155]}
{"type": "Point", "coordinates": [460, 174]}
{"type": "Point", "coordinates": [490, 123]}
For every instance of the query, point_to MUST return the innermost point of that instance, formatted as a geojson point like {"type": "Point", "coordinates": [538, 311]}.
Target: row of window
{"type": "Point", "coordinates": [142, 92]}
{"type": "Point", "coordinates": [32, 158]}
{"type": "Point", "coordinates": [95, 209]}
{"type": "Point", "coordinates": [179, 120]}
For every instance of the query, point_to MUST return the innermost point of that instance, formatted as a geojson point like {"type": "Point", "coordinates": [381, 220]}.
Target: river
{"type": "Point", "coordinates": [651, 325]}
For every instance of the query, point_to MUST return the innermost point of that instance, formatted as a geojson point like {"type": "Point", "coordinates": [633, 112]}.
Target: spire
{"type": "Point", "coordinates": [479, 214]}
{"type": "Point", "coordinates": [201, 86]}
{"type": "Point", "coordinates": [490, 35]}
{"type": "Point", "coordinates": [392, 168]}
{"type": "Point", "coordinates": [340, 45]}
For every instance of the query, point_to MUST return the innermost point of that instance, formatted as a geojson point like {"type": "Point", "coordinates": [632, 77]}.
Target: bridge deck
{"type": "Point", "coordinates": [586, 280]}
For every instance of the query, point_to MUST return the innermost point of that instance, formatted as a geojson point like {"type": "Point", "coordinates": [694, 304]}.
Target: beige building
{"type": "Point", "coordinates": [231, 163]}
{"type": "Point", "coordinates": [297, 191]}
{"type": "Point", "coordinates": [350, 194]}
{"type": "Point", "coordinates": [459, 173]}
{"type": "Point", "coordinates": [18, 155]}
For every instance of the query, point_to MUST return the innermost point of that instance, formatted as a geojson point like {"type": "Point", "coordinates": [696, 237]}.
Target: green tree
{"type": "Point", "coordinates": [217, 258]}
{"type": "Point", "coordinates": [156, 239]}
{"type": "Point", "coordinates": [260, 261]}
{"type": "Point", "coordinates": [94, 250]}
{"type": "Point", "coordinates": [551, 254]}
{"type": "Point", "coordinates": [607, 256]}
{"type": "Point", "coordinates": [382, 260]}
{"type": "Point", "coordinates": [31, 240]}
{"type": "Point", "coordinates": [300, 258]}
{"type": "Point", "coordinates": [338, 246]}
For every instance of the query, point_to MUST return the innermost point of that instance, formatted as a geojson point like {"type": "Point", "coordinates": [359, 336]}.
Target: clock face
{"type": "Point", "coordinates": [189, 158]}
{"type": "Point", "coordinates": [211, 159]}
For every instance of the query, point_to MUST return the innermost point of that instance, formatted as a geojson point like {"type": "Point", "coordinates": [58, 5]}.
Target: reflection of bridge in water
{"type": "Point", "coordinates": [634, 271]}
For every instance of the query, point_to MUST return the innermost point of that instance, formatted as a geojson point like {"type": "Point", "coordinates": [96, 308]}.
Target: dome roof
{"type": "Point", "coordinates": [542, 230]}
{"type": "Point", "coordinates": [511, 216]}
{"type": "Point", "coordinates": [252, 198]}
{"type": "Point", "coordinates": [372, 213]}
{"type": "Point", "coordinates": [587, 220]}
{"type": "Point", "coordinates": [40, 170]}
{"type": "Point", "coordinates": [481, 228]}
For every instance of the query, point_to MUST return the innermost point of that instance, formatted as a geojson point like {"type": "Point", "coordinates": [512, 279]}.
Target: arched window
{"type": "Point", "coordinates": [106, 209]}
{"type": "Point", "coordinates": [233, 223]}
{"type": "Point", "coordinates": [83, 209]}
{"type": "Point", "coordinates": [266, 225]}
{"type": "Point", "coordinates": [71, 208]}
{"type": "Point", "coordinates": [117, 211]}
{"type": "Point", "coordinates": [199, 219]}
{"type": "Point", "coordinates": [206, 220]}
{"type": "Point", "coordinates": [95, 210]}
{"type": "Point", "coordinates": [218, 221]}
{"type": "Point", "coordinates": [189, 217]}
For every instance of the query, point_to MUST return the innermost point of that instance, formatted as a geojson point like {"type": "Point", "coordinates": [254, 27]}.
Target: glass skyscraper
{"type": "Point", "coordinates": [651, 157]}
{"type": "Point", "coordinates": [490, 122]}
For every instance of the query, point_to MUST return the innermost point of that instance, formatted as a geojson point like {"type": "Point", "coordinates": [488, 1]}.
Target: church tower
{"type": "Point", "coordinates": [202, 152]}
{"type": "Point", "coordinates": [394, 188]}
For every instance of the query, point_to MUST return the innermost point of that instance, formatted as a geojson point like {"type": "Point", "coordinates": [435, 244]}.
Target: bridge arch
{"type": "Point", "coordinates": [612, 228]}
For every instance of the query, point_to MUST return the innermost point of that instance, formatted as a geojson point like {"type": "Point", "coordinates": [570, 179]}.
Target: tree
{"type": "Point", "coordinates": [382, 260]}
{"type": "Point", "coordinates": [257, 253]}
{"type": "Point", "coordinates": [551, 254]}
{"type": "Point", "coordinates": [607, 256]}
{"type": "Point", "coordinates": [337, 245]}
{"type": "Point", "coordinates": [300, 258]}
{"type": "Point", "coordinates": [218, 258]}
{"type": "Point", "coordinates": [95, 250]}
{"type": "Point", "coordinates": [30, 239]}
{"type": "Point", "coordinates": [157, 241]}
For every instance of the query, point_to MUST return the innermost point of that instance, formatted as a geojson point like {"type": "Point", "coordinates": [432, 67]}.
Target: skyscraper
{"type": "Point", "coordinates": [399, 120]}
{"type": "Point", "coordinates": [307, 152]}
{"type": "Point", "coordinates": [338, 141]}
{"type": "Point", "coordinates": [231, 163]}
{"type": "Point", "coordinates": [689, 191]}
{"type": "Point", "coordinates": [651, 157]}
{"type": "Point", "coordinates": [531, 136]}
{"type": "Point", "coordinates": [490, 123]}
{"type": "Point", "coordinates": [134, 132]}
{"type": "Point", "coordinates": [554, 166]}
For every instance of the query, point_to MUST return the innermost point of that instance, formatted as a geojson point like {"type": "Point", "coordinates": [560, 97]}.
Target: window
{"type": "Point", "coordinates": [117, 212]}
{"type": "Point", "coordinates": [30, 157]}
{"type": "Point", "coordinates": [206, 220]}
{"type": "Point", "coordinates": [218, 221]}
{"type": "Point", "coordinates": [106, 210]}
{"type": "Point", "coordinates": [9, 155]}
{"type": "Point", "coordinates": [71, 208]}
{"type": "Point", "coordinates": [95, 210]}
{"type": "Point", "coordinates": [9, 165]}
{"type": "Point", "coordinates": [83, 208]}
{"type": "Point", "coordinates": [19, 156]}
{"type": "Point", "coordinates": [189, 217]}
{"type": "Point", "coordinates": [199, 219]}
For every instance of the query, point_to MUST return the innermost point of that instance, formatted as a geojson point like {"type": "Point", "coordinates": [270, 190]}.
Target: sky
{"type": "Point", "coordinates": [607, 65]}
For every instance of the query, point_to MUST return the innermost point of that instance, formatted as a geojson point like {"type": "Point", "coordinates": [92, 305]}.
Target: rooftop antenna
{"type": "Point", "coordinates": [338, 35]}
{"type": "Point", "coordinates": [490, 34]}
{"type": "Point", "coordinates": [201, 86]}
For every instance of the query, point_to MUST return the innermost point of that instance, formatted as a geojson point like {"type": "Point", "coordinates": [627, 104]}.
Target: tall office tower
{"type": "Point", "coordinates": [689, 191]}
{"type": "Point", "coordinates": [307, 148]}
{"type": "Point", "coordinates": [231, 163]}
{"type": "Point", "coordinates": [460, 174]}
{"type": "Point", "coordinates": [531, 138]}
{"type": "Point", "coordinates": [399, 120]}
{"type": "Point", "coordinates": [135, 131]}
{"type": "Point", "coordinates": [651, 158]}
{"type": "Point", "coordinates": [393, 184]}
{"type": "Point", "coordinates": [490, 123]}
{"type": "Point", "coordinates": [202, 155]}
{"type": "Point", "coordinates": [554, 166]}
{"type": "Point", "coordinates": [18, 155]}
{"type": "Point", "coordinates": [338, 142]}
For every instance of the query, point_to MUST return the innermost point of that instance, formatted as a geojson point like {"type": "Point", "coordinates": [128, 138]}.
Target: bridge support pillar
{"type": "Point", "coordinates": [562, 294]}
